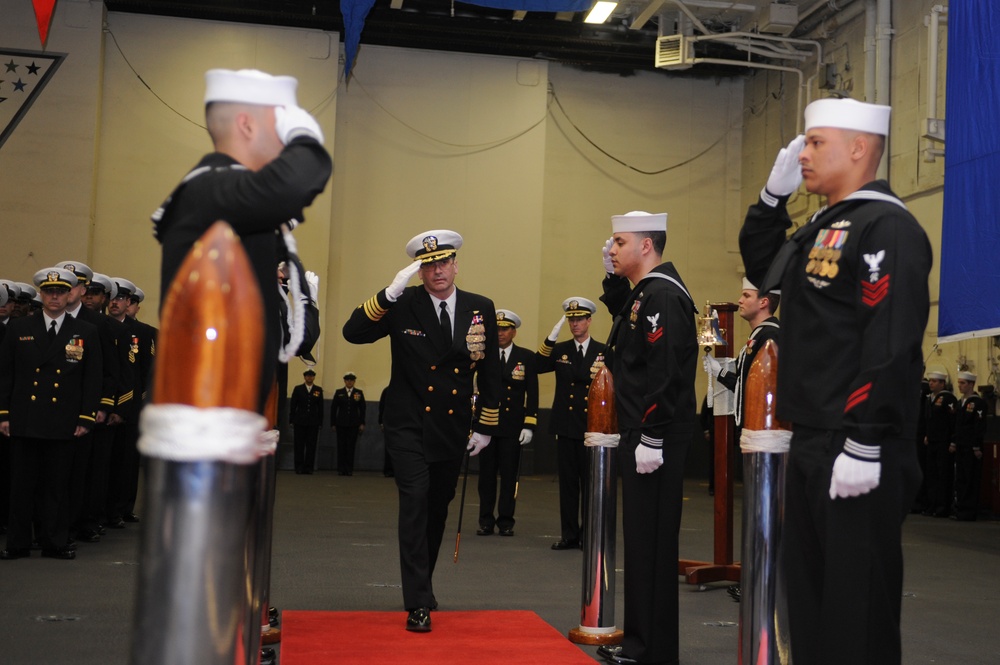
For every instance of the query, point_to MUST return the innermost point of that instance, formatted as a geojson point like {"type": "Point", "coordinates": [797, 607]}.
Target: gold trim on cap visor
{"type": "Point", "coordinates": [432, 257]}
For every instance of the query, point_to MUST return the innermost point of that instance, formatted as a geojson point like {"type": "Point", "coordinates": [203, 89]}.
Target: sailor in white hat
{"type": "Point", "coordinates": [939, 474]}
{"type": "Point", "coordinates": [268, 165]}
{"type": "Point", "coordinates": [854, 287]}
{"type": "Point", "coordinates": [653, 359]}
{"type": "Point", "coordinates": [967, 447]}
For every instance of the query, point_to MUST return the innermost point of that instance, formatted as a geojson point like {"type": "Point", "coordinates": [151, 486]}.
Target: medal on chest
{"type": "Point", "coordinates": [826, 252]}
{"type": "Point", "coordinates": [475, 337]}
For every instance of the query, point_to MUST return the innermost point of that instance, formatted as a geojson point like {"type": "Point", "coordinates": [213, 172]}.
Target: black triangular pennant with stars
{"type": "Point", "coordinates": [23, 74]}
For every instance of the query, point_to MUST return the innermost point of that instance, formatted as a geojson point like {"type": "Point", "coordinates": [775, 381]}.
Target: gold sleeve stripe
{"type": "Point", "coordinates": [110, 401]}
{"type": "Point", "coordinates": [124, 398]}
{"type": "Point", "coordinates": [545, 350]}
{"type": "Point", "coordinates": [530, 420]}
{"type": "Point", "coordinates": [83, 417]}
{"type": "Point", "coordinates": [4, 413]}
{"type": "Point", "coordinates": [490, 417]}
{"type": "Point", "coordinates": [373, 310]}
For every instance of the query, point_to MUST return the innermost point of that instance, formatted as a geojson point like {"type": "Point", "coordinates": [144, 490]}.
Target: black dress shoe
{"type": "Point", "coordinates": [268, 656]}
{"type": "Point", "coordinates": [131, 517]}
{"type": "Point", "coordinates": [116, 523]}
{"type": "Point", "coordinates": [566, 545]}
{"type": "Point", "coordinates": [507, 531]}
{"type": "Point", "coordinates": [66, 554]}
{"type": "Point", "coordinates": [19, 553]}
{"type": "Point", "coordinates": [419, 620]}
{"type": "Point", "coordinates": [613, 654]}
{"type": "Point", "coordinates": [101, 530]}
{"type": "Point", "coordinates": [483, 531]}
{"type": "Point", "coordinates": [88, 536]}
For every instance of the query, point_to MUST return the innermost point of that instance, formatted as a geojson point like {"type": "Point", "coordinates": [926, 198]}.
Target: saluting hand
{"type": "Point", "coordinates": [394, 290]}
{"type": "Point", "coordinates": [293, 121]}
{"type": "Point", "coordinates": [609, 266]}
{"type": "Point", "coordinates": [554, 335]}
{"type": "Point", "coordinates": [786, 174]}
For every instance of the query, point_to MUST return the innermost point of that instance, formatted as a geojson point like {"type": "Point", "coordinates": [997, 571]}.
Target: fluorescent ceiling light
{"type": "Point", "coordinates": [600, 12]}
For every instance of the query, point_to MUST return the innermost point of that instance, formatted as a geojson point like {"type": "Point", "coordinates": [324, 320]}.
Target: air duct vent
{"type": "Point", "coordinates": [674, 52]}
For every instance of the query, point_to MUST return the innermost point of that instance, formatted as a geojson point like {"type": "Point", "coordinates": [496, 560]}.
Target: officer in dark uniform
{"type": "Point", "coordinates": [25, 295]}
{"type": "Point", "coordinates": [147, 348]}
{"type": "Point", "coordinates": [50, 390]}
{"type": "Point", "coordinates": [123, 480]}
{"type": "Point", "coordinates": [855, 305]}
{"type": "Point", "coordinates": [347, 414]}
{"type": "Point", "coordinates": [444, 342]}
{"type": "Point", "coordinates": [8, 296]}
{"type": "Point", "coordinates": [305, 413]}
{"type": "Point", "coordinates": [572, 361]}
{"type": "Point", "coordinates": [269, 164]}
{"type": "Point", "coordinates": [518, 418]}
{"type": "Point", "coordinates": [940, 414]}
{"type": "Point", "coordinates": [967, 446]}
{"type": "Point", "coordinates": [91, 453]}
{"type": "Point", "coordinates": [653, 358]}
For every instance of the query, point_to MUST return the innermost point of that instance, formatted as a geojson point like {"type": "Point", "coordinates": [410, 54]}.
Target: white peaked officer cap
{"type": "Point", "coordinates": [12, 289]}
{"type": "Point", "coordinates": [941, 376]}
{"type": "Point", "coordinates": [125, 287]}
{"type": "Point", "coordinates": [3, 296]}
{"type": "Point", "coordinates": [104, 281]}
{"type": "Point", "coordinates": [432, 246]}
{"type": "Point", "coordinates": [577, 307]}
{"type": "Point", "coordinates": [968, 376]}
{"type": "Point", "coordinates": [27, 292]}
{"type": "Point", "coordinates": [249, 86]}
{"type": "Point", "coordinates": [82, 270]}
{"type": "Point", "coordinates": [637, 220]}
{"type": "Point", "coordinates": [55, 277]}
{"type": "Point", "coordinates": [508, 319]}
{"type": "Point", "coordinates": [848, 114]}
{"type": "Point", "coordinates": [139, 294]}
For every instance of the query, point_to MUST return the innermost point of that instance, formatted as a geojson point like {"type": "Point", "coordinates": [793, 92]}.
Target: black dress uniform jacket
{"type": "Point", "coordinates": [654, 356]}
{"type": "Point", "coordinates": [305, 409]}
{"type": "Point", "coordinates": [854, 284]}
{"type": "Point", "coordinates": [114, 350]}
{"type": "Point", "coordinates": [431, 382]}
{"type": "Point", "coordinates": [255, 204]}
{"type": "Point", "coordinates": [970, 423]}
{"type": "Point", "coordinates": [47, 389]}
{"type": "Point", "coordinates": [569, 404]}
{"type": "Point", "coordinates": [348, 411]}
{"type": "Point", "coordinates": [519, 393]}
{"type": "Point", "coordinates": [940, 416]}
{"type": "Point", "coordinates": [736, 381]}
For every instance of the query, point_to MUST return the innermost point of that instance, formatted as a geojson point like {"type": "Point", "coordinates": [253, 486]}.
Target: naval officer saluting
{"type": "Point", "coordinates": [444, 343]}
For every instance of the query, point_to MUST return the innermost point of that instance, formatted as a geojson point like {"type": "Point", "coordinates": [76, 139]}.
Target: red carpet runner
{"type": "Point", "coordinates": [458, 638]}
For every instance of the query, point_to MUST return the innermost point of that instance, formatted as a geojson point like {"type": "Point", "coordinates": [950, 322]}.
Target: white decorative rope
{"type": "Point", "coordinates": [296, 308]}
{"type": "Point", "coordinates": [599, 439]}
{"type": "Point", "coordinates": [182, 433]}
{"type": "Point", "coordinates": [765, 441]}
{"type": "Point", "coordinates": [268, 442]}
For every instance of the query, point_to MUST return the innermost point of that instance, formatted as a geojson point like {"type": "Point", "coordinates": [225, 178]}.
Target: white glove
{"type": "Point", "coordinates": [786, 174]}
{"type": "Point", "coordinates": [711, 365]}
{"type": "Point", "coordinates": [312, 279]}
{"type": "Point", "coordinates": [554, 335]}
{"type": "Point", "coordinates": [525, 437]}
{"type": "Point", "coordinates": [293, 121]}
{"type": "Point", "coordinates": [853, 477]}
{"type": "Point", "coordinates": [395, 289]}
{"type": "Point", "coordinates": [609, 267]}
{"type": "Point", "coordinates": [648, 460]}
{"type": "Point", "coordinates": [477, 442]}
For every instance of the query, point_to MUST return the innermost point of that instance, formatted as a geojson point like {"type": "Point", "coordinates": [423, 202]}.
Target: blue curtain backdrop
{"type": "Point", "coordinates": [355, 11]}
{"type": "Point", "coordinates": [970, 238]}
